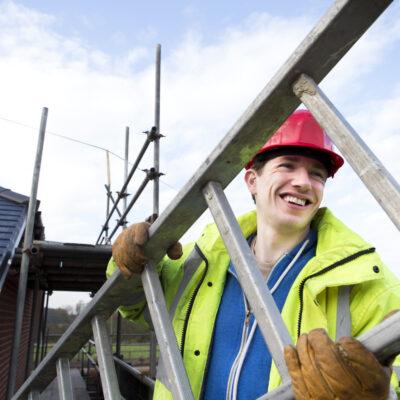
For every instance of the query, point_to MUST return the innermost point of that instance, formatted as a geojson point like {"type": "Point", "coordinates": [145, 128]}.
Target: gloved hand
{"type": "Point", "coordinates": [128, 249]}
{"type": "Point", "coordinates": [323, 370]}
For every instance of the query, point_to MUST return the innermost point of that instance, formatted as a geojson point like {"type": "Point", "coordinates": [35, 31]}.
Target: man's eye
{"type": "Point", "coordinates": [286, 165]}
{"type": "Point", "coordinates": [319, 174]}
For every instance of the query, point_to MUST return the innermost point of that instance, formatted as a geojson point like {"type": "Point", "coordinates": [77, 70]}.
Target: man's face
{"type": "Point", "coordinates": [288, 191]}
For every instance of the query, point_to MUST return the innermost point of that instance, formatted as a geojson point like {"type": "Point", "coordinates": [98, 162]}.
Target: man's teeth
{"type": "Point", "coordinates": [295, 200]}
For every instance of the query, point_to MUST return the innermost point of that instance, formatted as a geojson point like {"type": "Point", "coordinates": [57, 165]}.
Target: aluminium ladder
{"type": "Point", "coordinates": [326, 44]}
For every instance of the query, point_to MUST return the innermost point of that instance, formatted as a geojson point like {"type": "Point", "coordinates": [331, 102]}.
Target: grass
{"type": "Point", "coordinates": [137, 353]}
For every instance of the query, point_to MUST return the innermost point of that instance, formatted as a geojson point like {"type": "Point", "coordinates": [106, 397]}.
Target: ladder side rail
{"type": "Point", "coordinates": [319, 52]}
{"type": "Point", "coordinates": [64, 379]}
{"type": "Point", "coordinates": [367, 166]}
{"type": "Point", "coordinates": [109, 381]}
{"type": "Point", "coordinates": [34, 395]}
{"type": "Point", "coordinates": [251, 280]}
{"type": "Point", "coordinates": [178, 381]}
{"type": "Point", "coordinates": [383, 340]}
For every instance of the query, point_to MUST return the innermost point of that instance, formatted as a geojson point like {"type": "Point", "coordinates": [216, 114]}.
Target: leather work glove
{"type": "Point", "coordinates": [323, 370]}
{"type": "Point", "coordinates": [128, 249]}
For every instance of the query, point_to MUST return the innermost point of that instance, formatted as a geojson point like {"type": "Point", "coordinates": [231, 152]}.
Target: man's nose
{"type": "Point", "coordinates": [301, 180]}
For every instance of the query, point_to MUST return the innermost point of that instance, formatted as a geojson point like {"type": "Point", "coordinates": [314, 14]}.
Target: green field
{"type": "Point", "coordinates": [136, 353]}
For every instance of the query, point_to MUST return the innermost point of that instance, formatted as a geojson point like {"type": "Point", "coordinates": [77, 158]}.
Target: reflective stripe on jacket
{"type": "Point", "coordinates": [342, 258]}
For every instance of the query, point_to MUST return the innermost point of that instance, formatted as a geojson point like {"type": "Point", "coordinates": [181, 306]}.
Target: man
{"type": "Point", "coordinates": [305, 254]}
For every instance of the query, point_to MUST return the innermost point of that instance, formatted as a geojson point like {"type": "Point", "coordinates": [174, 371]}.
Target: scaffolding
{"type": "Point", "coordinates": [296, 81]}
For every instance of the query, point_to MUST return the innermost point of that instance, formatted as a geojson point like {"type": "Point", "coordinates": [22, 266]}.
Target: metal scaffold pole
{"type": "Point", "coordinates": [126, 161]}
{"type": "Point", "coordinates": [44, 327]}
{"type": "Point", "coordinates": [156, 183]}
{"type": "Point", "coordinates": [39, 330]}
{"type": "Point", "coordinates": [150, 137]}
{"type": "Point", "coordinates": [108, 190]}
{"type": "Point", "coordinates": [156, 188]}
{"type": "Point", "coordinates": [29, 353]}
{"type": "Point", "coordinates": [23, 275]}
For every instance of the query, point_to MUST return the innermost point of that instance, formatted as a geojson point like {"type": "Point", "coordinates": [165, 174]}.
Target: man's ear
{"type": "Point", "coordinates": [250, 177]}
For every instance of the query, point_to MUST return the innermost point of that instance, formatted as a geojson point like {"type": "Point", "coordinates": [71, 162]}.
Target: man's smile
{"type": "Point", "coordinates": [296, 200]}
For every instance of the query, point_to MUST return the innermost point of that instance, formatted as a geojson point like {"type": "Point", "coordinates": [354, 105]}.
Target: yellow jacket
{"type": "Point", "coordinates": [342, 258]}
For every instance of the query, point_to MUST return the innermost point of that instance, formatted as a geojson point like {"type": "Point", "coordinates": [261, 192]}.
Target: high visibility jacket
{"type": "Point", "coordinates": [342, 258]}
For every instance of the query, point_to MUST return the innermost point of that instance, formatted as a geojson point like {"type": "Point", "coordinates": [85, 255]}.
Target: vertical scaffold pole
{"type": "Point", "coordinates": [108, 189]}
{"type": "Point", "coordinates": [126, 162]}
{"type": "Point", "coordinates": [156, 187]}
{"type": "Point", "coordinates": [23, 275]}
{"type": "Point", "coordinates": [156, 197]}
{"type": "Point", "coordinates": [44, 327]}
{"type": "Point", "coordinates": [126, 169]}
{"type": "Point", "coordinates": [39, 330]}
{"type": "Point", "coordinates": [32, 330]}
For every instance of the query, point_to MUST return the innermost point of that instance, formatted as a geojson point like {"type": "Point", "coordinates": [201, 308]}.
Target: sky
{"type": "Point", "coordinates": [92, 64]}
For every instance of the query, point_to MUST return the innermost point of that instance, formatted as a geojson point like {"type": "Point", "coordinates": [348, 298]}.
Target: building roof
{"type": "Point", "coordinates": [57, 266]}
{"type": "Point", "coordinates": [13, 212]}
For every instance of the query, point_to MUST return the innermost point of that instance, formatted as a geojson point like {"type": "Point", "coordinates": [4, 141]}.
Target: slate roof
{"type": "Point", "coordinates": [13, 212]}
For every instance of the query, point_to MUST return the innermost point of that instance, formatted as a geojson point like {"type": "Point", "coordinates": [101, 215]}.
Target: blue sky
{"type": "Point", "coordinates": [117, 26]}
{"type": "Point", "coordinates": [92, 64]}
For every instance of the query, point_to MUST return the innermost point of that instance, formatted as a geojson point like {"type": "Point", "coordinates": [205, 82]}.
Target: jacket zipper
{"type": "Point", "coordinates": [321, 272]}
{"type": "Point", "coordinates": [244, 339]}
{"type": "Point", "coordinates": [201, 397]}
{"type": "Point", "coordinates": [192, 299]}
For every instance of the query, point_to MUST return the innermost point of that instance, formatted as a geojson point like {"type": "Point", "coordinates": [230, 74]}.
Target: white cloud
{"type": "Point", "coordinates": [92, 96]}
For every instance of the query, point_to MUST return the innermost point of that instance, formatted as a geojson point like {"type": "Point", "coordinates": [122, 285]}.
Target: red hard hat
{"type": "Point", "coordinates": [302, 130]}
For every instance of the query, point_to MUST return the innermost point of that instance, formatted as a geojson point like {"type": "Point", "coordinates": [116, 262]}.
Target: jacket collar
{"type": "Point", "coordinates": [335, 242]}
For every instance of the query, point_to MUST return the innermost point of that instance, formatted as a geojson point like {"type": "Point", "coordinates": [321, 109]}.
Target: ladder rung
{"type": "Point", "coordinates": [109, 381]}
{"type": "Point", "coordinates": [383, 340]}
{"type": "Point", "coordinates": [262, 303]}
{"type": "Point", "coordinates": [171, 357]}
{"type": "Point", "coordinates": [64, 379]}
{"type": "Point", "coordinates": [376, 178]}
